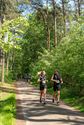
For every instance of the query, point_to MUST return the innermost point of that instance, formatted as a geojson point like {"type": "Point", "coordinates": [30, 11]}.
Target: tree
{"type": "Point", "coordinates": [43, 12]}
{"type": "Point", "coordinates": [78, 7]}
{"type": "Point", "coordinates": [8, 9]}
{"type": "Point", "coordinates": [14, 30]}
{"type": "Point", "coordinates": [55, 23]}
{"type": "Point", "coordinates": [33, 43]}
{"type": "Point", "coordinates": [64, 15]}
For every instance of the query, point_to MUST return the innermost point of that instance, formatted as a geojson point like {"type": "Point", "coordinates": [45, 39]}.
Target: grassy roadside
{"type": "Point", "coordinates": [76, 102]}
{"type": "Point", "coordinates": [72, 100]}
{"type": "Point", "coordinates": [7, 104]}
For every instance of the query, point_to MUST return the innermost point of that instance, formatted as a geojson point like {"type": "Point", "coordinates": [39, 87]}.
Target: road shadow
{"type": "Point", "coordinates": [7, 90]}
{"type": "Point", "coordinates": [30, 109]}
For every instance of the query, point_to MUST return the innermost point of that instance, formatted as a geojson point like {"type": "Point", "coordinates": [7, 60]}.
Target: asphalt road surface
{"type": "Point", "coordinates": [31, 112]}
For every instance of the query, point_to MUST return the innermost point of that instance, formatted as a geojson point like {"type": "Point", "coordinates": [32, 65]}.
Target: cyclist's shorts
{"type": "Point", "coordinates": [42, 87]}
{"type": "Point", "coordinates": [56, 86]}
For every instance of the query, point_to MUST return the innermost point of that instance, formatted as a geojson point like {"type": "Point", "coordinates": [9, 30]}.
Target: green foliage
{"type": "Point", "coordinates": [68, 58]}
{"type": "Point", "coordinates": [32, 43]}
{"type": "Point", "coordinates": [15, 29]}
{"type": "Point", "coordinates": [9, 79]}
{"type": "Point", "coordinates": [12, 46]}
{"type": "Point", "coordinates": [72, 100]}
{"type": "Point", "coordinates": [9, 9]}
{"type": "Point", "coordinates": [7, 110]}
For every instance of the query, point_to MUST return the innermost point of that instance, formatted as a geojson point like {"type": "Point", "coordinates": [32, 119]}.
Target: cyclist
{"type": "Point", "coordinates": [43, 86]}
{"type": "Point", "coordinates": [56, 86]}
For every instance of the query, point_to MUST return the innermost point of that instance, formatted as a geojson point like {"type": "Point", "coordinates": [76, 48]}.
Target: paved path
{"type": "Point", "coordinates": [31, 112]}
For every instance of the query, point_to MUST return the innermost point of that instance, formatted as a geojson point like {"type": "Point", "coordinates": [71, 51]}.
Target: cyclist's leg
{"type": "Point", "coordinates": [41, 93]}
{"type": "Point", "coordinates": [45, 94]}
{"type": "Point", "coordinates": [58, 93]}
{"type": "Point", "coordinates": [54, 94]}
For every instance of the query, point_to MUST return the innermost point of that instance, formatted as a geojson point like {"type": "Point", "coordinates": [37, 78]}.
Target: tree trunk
{"type": "Point", "coordinates": [47, 25]}
{"type": "Point", "coordinates": [0, 22]}
{"type": "Point", "coordinates": [48, 38]}
{"type": "Point", "coordinates": [3, 62]}
{"type": "Point", "coordinates": [78, 1]}
{"type": "Point", "coordinates": [3, 59]}
{"type": "Point", "coordinates": [7, 66]}
{"type": "Point", "coordinates": [77, 7]}
{"type": "Point", "coordinates": [64, 16]}
{"type": "Point", "coordinates": [55, 23]}
{"type": "Point", "coordinates": [55, 33]}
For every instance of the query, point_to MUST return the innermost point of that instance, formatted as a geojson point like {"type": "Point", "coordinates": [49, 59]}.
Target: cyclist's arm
{"type": "Point", "coordinates": [38, 80]}
{"type": "Point", "coordinates": [61, 81]}
{"type": "Point", "coordinates": [53, 79]}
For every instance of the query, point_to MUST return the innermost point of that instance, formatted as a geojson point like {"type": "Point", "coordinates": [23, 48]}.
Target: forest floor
{"type": "Point", "coordinates": [31, 112]}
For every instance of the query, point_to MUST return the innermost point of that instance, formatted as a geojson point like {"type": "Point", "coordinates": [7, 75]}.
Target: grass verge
{"type": "Point", "coordinates": [7, 105]}
{"type": "Point", "coordinates": [73, 100]}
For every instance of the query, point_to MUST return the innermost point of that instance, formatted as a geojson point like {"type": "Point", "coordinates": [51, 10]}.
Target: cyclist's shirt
{"type": "Point", "coordinates": [42, 79]}
{"type": "Point", "coordinates": [57, 84]}
{"type": "Point", "coordinates": [57, 78]}
{"type": "Point", "coordinates": [42, 82]}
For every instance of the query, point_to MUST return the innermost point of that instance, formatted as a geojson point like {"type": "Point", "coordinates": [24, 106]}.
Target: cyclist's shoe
{"type": "Point", "coordinates": [44, 103]}
{"type": "Point", "coordinates": [58, 102]}
{"type": "Point", "coordinates": [40, 100]}
{"type": "Point", "coordinates": [53, 100]}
